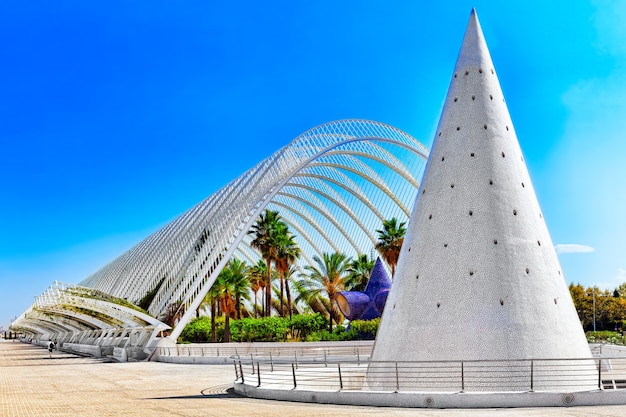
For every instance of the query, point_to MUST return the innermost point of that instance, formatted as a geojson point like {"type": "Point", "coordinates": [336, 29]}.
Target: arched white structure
{"type": "Point", "coordinates": [333, 185]}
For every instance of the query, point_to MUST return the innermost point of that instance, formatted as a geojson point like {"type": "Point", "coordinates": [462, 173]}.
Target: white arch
{"type": "Point", "coordinates": [184, 257]}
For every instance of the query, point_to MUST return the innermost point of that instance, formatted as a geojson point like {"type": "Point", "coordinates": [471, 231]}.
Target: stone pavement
{"type": "Point", "coordinates": [32, 384]}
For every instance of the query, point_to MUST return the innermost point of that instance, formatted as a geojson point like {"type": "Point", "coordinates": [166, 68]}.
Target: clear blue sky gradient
{"type": "Point", "coordinates": [115, 117]}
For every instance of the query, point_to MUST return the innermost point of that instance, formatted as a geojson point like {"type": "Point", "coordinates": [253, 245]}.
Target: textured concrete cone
{"type": "Point", "coordinates": [478, 277]}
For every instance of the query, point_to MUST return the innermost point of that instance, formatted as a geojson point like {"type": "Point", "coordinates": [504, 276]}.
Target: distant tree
{"type": "Point", "coordinates": [610, 311]}
{"type": "Point", "coordinates": [289, 274]}
{"type": "Point", "coordinates": [224, 289]}
{"type": "Point", "coordinates": [256, 276]}
{"type": "Point", "coordinates": [212, 299]}
{"type": "Point", "coordinates": [287, 253]}
{"type": "Point", "coordinates": [240, 285]}
{"type": "Point", "coordinates": [329, 275]}
{"type": "Point", "coordinates": [359, 272]}
{"type": "Point", "coordinates": [263, 232]}
{"type": "Point", "coordinates": [172, 314]}
{"type": "Point", "coordinates": [309, 296]}
{"type": "Point", "coordinates": [390, 240]}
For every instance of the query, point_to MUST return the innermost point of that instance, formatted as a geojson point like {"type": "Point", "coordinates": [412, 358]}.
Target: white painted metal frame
{"type": "Point", "coordinates": [333, 185]}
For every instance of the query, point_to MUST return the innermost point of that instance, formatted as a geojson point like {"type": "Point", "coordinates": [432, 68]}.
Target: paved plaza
{"type": "Point", "coordinates": [33, 384]}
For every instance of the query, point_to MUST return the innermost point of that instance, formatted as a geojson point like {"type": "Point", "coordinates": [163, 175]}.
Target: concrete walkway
{"type": "Point", "coordinates": [32, 384]}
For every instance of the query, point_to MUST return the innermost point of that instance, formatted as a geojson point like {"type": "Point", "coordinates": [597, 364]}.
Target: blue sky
{"type": "Point", "coordinates": [118, 116]}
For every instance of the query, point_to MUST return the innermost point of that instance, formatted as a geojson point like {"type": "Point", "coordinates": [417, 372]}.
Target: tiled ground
{"type": "Point", "coordinates": [32, 384]}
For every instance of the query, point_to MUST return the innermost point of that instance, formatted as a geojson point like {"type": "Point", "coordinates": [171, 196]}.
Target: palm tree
{"type": "Point", "coordinates": [264, 231]}
{"type": "Point", "coordinates": [287, 253]}
{"type": "Point", "coordinates": [256, 276]}
{"type": "Point", "coordinates": [240, 285]}
{"type": "Point", "coordinates": [224, 290]}
{"type": "Point", "coordinates": [172, 314]}
{"type": "Point", "coordinates": [359, 273]}
{"type": "Point", "coordinates": [287, 276]}
{"type": "Point", "coordinates": [329, 276]}
{"type": "Point", "coordinates": [309, 296]}
{"type": "Point", "coordinates": [390, 240]}
{"type": "Point", "coordinates": [212, 298]}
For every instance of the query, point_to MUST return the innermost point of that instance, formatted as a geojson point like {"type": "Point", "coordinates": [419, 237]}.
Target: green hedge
{"type": "Point", "coordinates": [365, 329]}
{"type": "Point", "coordinates": [198, 330]}
{"type": "Point", "coordinates": [606, 336]}
{"type": "Point", "coordinates": [302, 327]}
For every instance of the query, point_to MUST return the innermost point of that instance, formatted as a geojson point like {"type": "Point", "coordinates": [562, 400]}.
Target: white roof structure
{"type": "Point", "coordinates": [333, 185]}
{"type": "Point", "coordinates": [478, 277]}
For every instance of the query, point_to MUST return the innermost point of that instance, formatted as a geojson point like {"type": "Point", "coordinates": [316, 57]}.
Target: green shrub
{"type": "Point", "coordinates": [276, 329]}
{"type": "Point", "coordinates": [305, 327]}
{"type": "Point", "coordinates": [198, 330]}
{"type": "Point", "coordinates": [365, 329]}
{"type": "Point", "coordinates": [266, 329]}
{"type": "Point", "coordinates": [302, 325]}
{"type": "Point", "coordinates": [605, 336]}
{"type": "Point", "coordinates": [339, 334]}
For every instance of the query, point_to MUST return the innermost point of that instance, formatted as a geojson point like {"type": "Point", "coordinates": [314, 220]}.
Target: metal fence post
{"type": "Point", "coordinates": [340, 380]}
{"type": "Point", "coordinates": [241, 372]}
{"type": "Point", "coordinates": [325, 363]}
{"type": "Point", "coordinates": [252, 362]}
{"type": "Point", "coordinates": [271, 361]}
{"type": "Point", "coordinates": [258, 373]}
{"type": "Point", "coordinates": [532, 375]}
{"type": "Point", "coordinates": [462, 377]}
{"type": "Point", "coordinates": [397, 379]}
{"type": "Point", "coordinates": [236, 371]}
{"type": "Point", "coordinates": [599, 373]}
{"type": "Point", "coordinates": [293, 370]}
{"type": "Point", "coordinates": [358, 356]}
{"type": "Point", "coordinates": [295, 357]}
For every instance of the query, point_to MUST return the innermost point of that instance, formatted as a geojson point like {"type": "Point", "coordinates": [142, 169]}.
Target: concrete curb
{"type": "Point", "coordinates": [439, 399]}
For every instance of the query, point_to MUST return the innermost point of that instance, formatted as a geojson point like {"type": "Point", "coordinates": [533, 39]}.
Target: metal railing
{"type": "Point", "coordinates": [273, 354]}
{"type": "Point", "coordinates": [444, 376]}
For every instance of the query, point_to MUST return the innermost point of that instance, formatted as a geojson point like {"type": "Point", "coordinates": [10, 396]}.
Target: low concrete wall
{"type": "Point", "coordinates": [119, 354]}
{"type": "Point", "coordinates": [125, 354]}
{"type": "Point", "coordinates": [92, 350]}
{"type": "Point", "coordinates": [212, 360]}
{"type": "Point", "coordinates": [438, 400]}
{"type": "Point", "coordinates": [608, 350]}
{"type": "Point", "coordinates": [106, 350]}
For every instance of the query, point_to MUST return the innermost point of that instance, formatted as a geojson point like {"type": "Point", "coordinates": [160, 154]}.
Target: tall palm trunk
{"type": "Point", "coordinates": [268, 291]}
{"type": "Point", "coordinates": [227, 329]}
{"type": "Point", "coordinates": [256, 310]}
{"type": "Point", "coordinates": [282, 293]}
{"type": "Point", "coordinates": [288, 300]}
{"type": "Point", "coordinates": [213, 313]}
{"type": "Point", "coordinates": [331, 311]}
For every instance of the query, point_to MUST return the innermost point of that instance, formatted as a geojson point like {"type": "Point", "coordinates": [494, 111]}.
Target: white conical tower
{"type": "Point", "coordinates": [478, 277]}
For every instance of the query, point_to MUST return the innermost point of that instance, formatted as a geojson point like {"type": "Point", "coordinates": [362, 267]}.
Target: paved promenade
{"type": "Point", "coordinates": [32, 384]}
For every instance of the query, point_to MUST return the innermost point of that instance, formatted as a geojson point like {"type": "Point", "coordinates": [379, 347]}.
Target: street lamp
{"type": "Point", "coordinates": [594, 309]}
{"type": "Point", "coordinates": [593, 294]}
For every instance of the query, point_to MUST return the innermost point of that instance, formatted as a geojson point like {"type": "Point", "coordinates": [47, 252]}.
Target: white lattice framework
{"type": "Point", "coordinates": [333, 185]}
{"type": "Point", "coordinates": [71, 312]}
